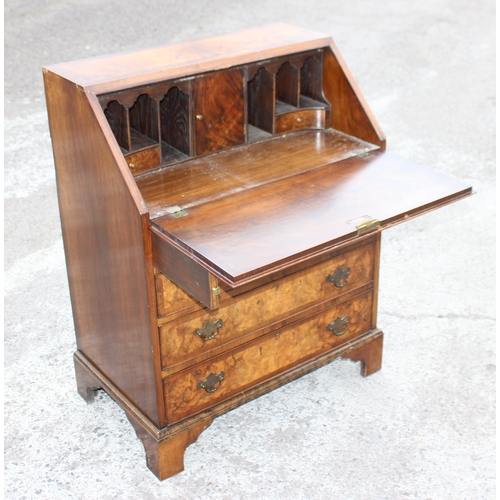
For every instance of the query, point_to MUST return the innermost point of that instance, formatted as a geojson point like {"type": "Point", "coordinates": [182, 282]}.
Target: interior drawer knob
{"type": "Point", "coordinates": [339, 325]}
{"type": "Point", "coordinates": [340, 277]}
{"type": "Point", "coordinates": [212, 383]}
{"type": "Point", "coordinates": [209, 330]}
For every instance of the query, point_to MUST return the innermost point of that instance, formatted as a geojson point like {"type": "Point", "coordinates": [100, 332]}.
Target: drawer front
{"type": "Point", "coordinates": [143, 160]}
{"type": "Point", "coordinates": [265, 306]}
{"type": "Point", "coordinates": [298, 120]}
{"type": "Point", "coordinates": [171, 300]}
{"type": "Point", "coordinates": [200, 387]}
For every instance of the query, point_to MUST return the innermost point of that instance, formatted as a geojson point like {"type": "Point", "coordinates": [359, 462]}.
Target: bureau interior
{"type": "Point", "coordinates": [188, 120]}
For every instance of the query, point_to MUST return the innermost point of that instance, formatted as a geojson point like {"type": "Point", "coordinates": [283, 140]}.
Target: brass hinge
{"type": "Point", "coordinates": [176, 211]}
{"type": "Point", "coordinates": [364, 224]}
{"type": "Point", "coordinates": [366, 154]}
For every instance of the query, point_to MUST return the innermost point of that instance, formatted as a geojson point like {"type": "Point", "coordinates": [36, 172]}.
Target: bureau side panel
{"type": "Point", "coordinates": [104, 239]}
{"type": "Point", "coordinates": [350, 112]}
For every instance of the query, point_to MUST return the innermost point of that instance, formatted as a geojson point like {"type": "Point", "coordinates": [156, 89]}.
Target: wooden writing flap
{"type": "Point", "coordinates": [245, 235]}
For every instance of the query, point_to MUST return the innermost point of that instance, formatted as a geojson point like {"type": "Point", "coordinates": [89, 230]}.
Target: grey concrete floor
{"type": "Point", "coordinates": [422, 427]}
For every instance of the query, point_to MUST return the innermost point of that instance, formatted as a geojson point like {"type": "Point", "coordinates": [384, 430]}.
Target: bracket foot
{"type": "Point", "coordinates": [369, 354]}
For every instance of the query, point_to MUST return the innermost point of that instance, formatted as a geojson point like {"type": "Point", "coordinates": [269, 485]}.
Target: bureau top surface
{"type": "Point", "coordinates": [243, 226]}
{"type": "Point", "coordinates": [111, 72]}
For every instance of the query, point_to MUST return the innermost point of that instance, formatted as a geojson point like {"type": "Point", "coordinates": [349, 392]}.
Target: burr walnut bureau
{"type": "Point", "coordinates": [221, 205]}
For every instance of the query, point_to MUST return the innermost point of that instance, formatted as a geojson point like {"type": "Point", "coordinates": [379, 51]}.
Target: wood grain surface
{"type": "Point", "coordinates": [144, 117]}
{"type": "Point", "coordinates": [300, 119]}
{"type": "Point", "coordinates": [350, 112]}
{"type": "Point", "coordinates": [105, 243]}
{"type": "Point", "coordinates": [173, 302]}
{"type": "Point", "coordinates": [118, 119]}
{"type": "Point", "coordinates": [311, 81]}
{"type": "Point", "coordinates": [287, 84]}
{"type": "Point", "coordinates": [219, 111]}
{"type": "Point", "coordinates": [165, 447]}
{"type": "Point", "coordinates": [114, 72]}
{"type": "Point", "coordinates": [144, 160]}
{"type": "Point", "coordinates": [370, 356]}
{"type": "Point", "coordinates": [187, 273]}
{"type": "Point", "coordinates": [254, 362]}
{"type": "Point", "coordinates": [262, 100]}
{"type": "Point", "coordinates": [174, 120]}
{"type": "Point", "coordinates": [255, 231]}
{"type": "Point", "coordinates": [265, 306]}
{"type": "Point", "coordinates": [200, 180]}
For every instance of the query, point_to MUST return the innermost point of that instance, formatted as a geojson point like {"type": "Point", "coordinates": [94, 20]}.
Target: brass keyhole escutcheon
{"type": "Point", "coordinates": [340, 277]}
{"type": "Point", "coordinates": [339, 325]}
{"type": "Point", "coordinates": [212, 382]}
{"type": "Point", "coordinates": [210, 330]}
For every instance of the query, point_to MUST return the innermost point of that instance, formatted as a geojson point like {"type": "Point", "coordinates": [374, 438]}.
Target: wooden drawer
{"type": "Point", "coordinates": [265, 307]}
{"type": "Point", "coordinates": [302, 119]}
{"type": "Point", "coordinates": [172, 301]}
{"type": "Point", "coordinates": [265, 357]}
{"type": "Point", "coordinates": [143, 160]}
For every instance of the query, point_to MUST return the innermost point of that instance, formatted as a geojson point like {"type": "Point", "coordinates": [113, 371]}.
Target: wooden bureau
{"type": "Point", "coordinates": [221, 203]}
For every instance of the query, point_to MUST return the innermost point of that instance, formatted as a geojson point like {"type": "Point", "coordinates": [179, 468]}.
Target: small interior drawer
{"type": "Point", "coordinates": [143, 160]}
{"type": "Point", "coordinates": [265, 307]}
{"type": "Point", "coordinates": [216, 379]}
{"type": "Point", "coordinates": [301, 119]}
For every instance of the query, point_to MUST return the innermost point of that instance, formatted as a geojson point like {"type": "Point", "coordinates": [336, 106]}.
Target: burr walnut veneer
{"type": "Point", "coordinates": [221, 204]}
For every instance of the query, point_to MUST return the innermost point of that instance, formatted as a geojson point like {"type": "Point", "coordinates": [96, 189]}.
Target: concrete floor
{"type": "Point", "coordinates": [422, 427]}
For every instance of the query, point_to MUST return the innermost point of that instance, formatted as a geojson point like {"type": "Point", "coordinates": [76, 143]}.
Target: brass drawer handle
{"type": "Point", "coordinates": [340, 277]}
{"type": "Point", "coordinates": [209, 330]}
{"type": "Point", "coordinates": [339, 325]}
{"type": "Point", "coordinates": [212, 383]}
